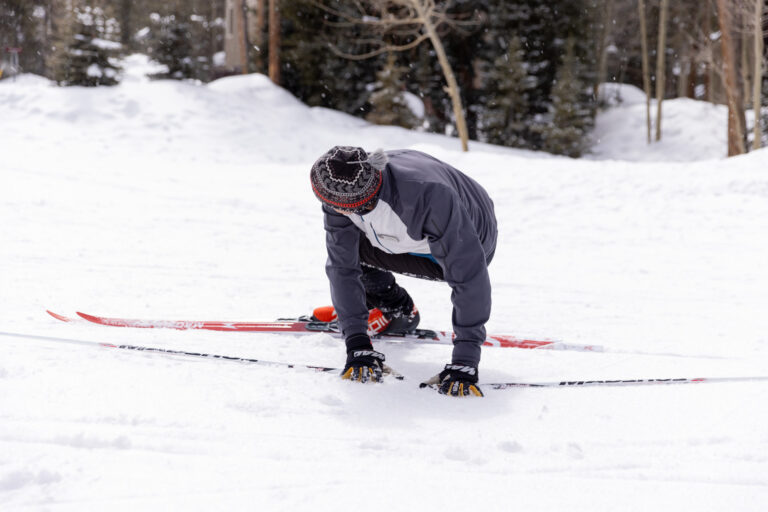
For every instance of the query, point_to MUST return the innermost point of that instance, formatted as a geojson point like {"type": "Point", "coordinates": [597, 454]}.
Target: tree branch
{"type": "Point", "coordinates": [384, 49]}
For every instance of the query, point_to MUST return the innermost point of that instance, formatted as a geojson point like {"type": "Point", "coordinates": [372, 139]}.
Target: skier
{"type": "Point", "coordinates": [422, 218]}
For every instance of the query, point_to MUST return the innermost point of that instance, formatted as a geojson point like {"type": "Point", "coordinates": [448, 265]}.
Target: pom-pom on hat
{"type": "Point", "coordinates": [347, 178]}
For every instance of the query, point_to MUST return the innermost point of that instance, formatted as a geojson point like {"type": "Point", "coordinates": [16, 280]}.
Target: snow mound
{"type": "Point", "coordinates": [691, 131]}
{"type": "Point", "coordinates": [615, 94]}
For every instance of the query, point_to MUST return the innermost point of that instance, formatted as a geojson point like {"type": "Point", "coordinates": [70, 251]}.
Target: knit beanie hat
{"type": "Point", "coordinates": [347, 178]}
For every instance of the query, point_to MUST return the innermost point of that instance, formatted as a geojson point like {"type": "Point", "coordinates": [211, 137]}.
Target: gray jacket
{"type": "Point", "coordinates": [425, 207]}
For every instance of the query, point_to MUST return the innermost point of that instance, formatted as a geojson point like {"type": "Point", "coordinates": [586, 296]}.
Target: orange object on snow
{"type": "Point", "coordinates": [377, 322]}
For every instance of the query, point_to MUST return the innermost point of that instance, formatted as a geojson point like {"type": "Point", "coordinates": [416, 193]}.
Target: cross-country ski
{"type": "Point", "coordinates": [186, 353]}
{"type": "Point", "coordinates": [308, 325]}
{"type": "Point", "coordinates": [387, 369]}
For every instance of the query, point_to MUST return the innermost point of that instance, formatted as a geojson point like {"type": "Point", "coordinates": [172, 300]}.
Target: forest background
{"type": "Point", "coordinates": [521, 73]}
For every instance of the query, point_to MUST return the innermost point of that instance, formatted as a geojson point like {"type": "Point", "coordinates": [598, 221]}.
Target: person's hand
{"type": "Point", "coordinates": [363, 366]}
{"type": "Point", "coordinates": [458, 380]}
{"type": "Point", "coordinates": [363, 363]}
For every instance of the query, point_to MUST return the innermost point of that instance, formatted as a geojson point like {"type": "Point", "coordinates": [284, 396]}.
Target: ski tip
{"type": "Point", "coordinates": [86, 316]}
{"type": "Point", "coordinates": [58, 316]}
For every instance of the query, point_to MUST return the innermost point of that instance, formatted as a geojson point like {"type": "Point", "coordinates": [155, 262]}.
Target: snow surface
{"type": "Point", "coordinates": [691, 130]}
{"type": "Point", "coordinates": [174, 200]}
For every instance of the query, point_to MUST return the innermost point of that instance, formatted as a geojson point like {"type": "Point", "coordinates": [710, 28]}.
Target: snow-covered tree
{"type": "Point", "coordinates": [388, 101]}
{"type": "Point", "coordinates": [181, 39]}
{"type": "Point", "coordinates": [171, 45]}
{"type": "Point", "coordinates": [85, 51]}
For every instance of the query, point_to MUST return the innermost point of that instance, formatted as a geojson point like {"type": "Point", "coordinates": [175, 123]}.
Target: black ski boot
{"type": "Point", "coordinates": [399, 314]}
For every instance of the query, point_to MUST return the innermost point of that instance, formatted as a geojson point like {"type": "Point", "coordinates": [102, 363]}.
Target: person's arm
{"type": "Point", "coordinates": [342, 240]}
{"type": "Point", "coordinates": [457, 248]}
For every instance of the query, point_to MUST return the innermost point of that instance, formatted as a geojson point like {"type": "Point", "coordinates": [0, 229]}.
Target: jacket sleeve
{"type": "Point", "coordinates": [342, 239]}
{"type": "Point", "coordinates": [456, 246]}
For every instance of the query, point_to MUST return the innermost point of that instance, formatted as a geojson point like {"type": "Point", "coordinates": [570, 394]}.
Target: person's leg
{"type": "Point", "coordinates": [382, 291]}
{"type": "Point", "coordinates": [391, 307]}
{"type": "Point", "coordinates": [405, 264]}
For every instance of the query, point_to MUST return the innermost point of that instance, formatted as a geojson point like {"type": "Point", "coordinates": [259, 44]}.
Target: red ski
{"type": "Point", "coordinates": [308, 326]}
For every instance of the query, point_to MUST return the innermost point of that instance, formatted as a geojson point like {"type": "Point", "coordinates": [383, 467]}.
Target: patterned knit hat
{"type": "Point", "coordinates": [347, 178]}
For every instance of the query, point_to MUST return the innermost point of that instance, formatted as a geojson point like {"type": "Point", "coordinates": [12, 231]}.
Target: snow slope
{"type": "Point", "coordinates": [179, 201]}
{"type": "Point", "coordinates": [691, 130]}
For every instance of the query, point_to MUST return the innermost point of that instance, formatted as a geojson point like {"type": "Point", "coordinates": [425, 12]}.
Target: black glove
{"type": "Point", "coordinates": [363, 363]}
{"type": "Point", "coordinates": [459, 380]}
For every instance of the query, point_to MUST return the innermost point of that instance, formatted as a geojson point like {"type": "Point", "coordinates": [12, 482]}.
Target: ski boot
{"type": "Point", "coordinates": [395, 322]}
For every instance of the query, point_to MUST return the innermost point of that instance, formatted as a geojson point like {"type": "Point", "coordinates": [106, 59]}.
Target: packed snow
{"type": "Point", "coordinates": [175, 200]}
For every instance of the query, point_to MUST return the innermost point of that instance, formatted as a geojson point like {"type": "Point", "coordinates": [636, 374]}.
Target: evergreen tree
{"type": "Point", "coordinates": [23, 25]}
{"type": "Point", "coordinates": [85, 51]}
{"type": "Point", "coordinates": [503, 94]}
{"type": "Point", "coordinates": [184, 36]}
{"type": "Point", "coordinates": [171, 45]}
{"type": "Point", "coordinates": [388, 103]}
{"type": "Point", "coordinates": [315, 74]}
{"type": "Point", "coordinates": [569, 121]}
{"type": "Point", "coordinates": [515, 61]}
{"type": "Point", "coordinates": [503, 120]}
{"type": "Point", "coordinates": [425, 79]}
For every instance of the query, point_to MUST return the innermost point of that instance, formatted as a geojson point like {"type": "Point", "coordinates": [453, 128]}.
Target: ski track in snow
{"type": "Point", "coordinates": [178, 201]}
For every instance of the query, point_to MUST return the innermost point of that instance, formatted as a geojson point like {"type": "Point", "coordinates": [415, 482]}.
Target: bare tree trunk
{"type": "Point", "coordinates": [758, 73]}
{"type": "Point", "coordinates": [684, 63]}
{"type": "Point", "coordinates": [450, 78]}
{"type": "Point", "coordinates": [711, 77]}
{"type": "Point", "coordinates": [453, 88]}
{"type": "Point", "coordinates": [690, 92]}
{"type": "Point", "coordinates": [261, 23]}
{"type": "Point", "coordinates": [274, 41]}
{"type": "Point", "coordinates": [126, 27]}
{"type": "Point", "coordinates": [661, 64]}
{"type": "Point", "coordinates": [602, 53]}
{"type": "Point", "coordinates": [744, 67]}
{"type": "Point", "coordinates": [732, 89]}
{"type": "Point", "coordinates": [646, 66]}
{"type": "Point", "coordinates": [242, 36]}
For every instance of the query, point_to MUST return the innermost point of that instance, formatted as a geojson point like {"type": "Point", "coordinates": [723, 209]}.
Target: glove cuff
{"type": "Point", "coordinates": [462, 372]}
{"type": "Point", "coordinates": [360, 341]}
